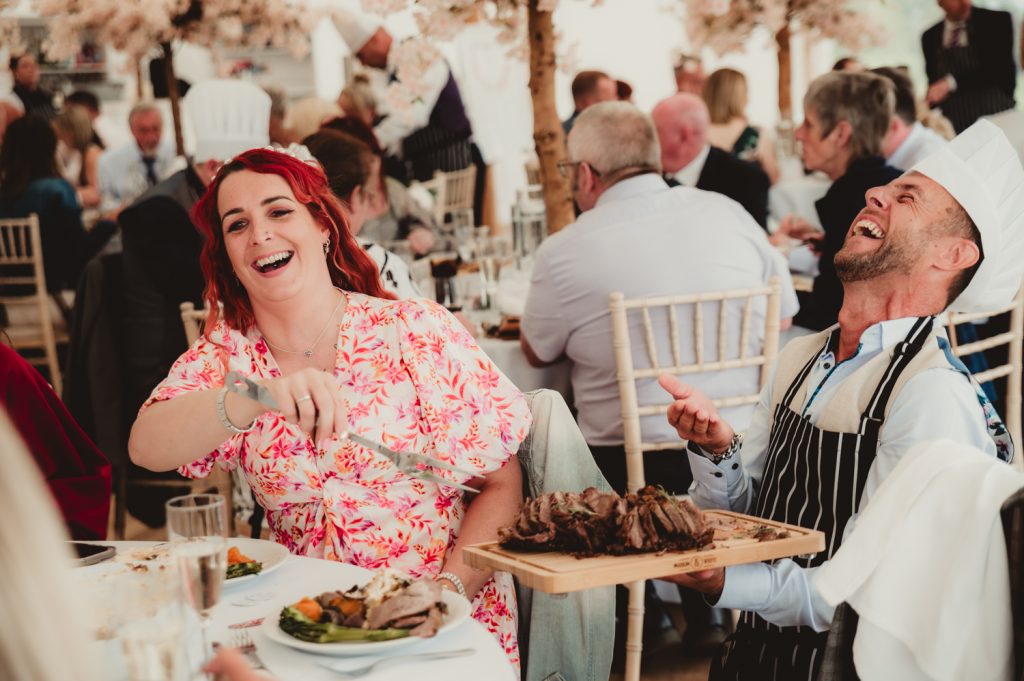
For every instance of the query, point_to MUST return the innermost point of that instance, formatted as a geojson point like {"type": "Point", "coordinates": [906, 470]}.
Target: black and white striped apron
{"type": "Point", "coordinates": [813, 478]}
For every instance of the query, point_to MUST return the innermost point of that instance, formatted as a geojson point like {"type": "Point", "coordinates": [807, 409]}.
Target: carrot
{"type": "Point", "coordinates": [309, 608]}
{"type": "Point", "coordinates": [235, 556]}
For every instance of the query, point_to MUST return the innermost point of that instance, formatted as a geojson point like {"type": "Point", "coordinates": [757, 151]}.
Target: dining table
{"type": "Point", "coordinates": [295, 577]}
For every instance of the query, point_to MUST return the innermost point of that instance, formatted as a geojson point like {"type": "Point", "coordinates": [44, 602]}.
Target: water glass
{"type": "Point", "coordinates": [149, 622]}
{"type": "Point", "coordinates": [197, 529]}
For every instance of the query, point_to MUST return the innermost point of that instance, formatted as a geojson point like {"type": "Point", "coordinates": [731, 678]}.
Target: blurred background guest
{"type": "Point", "coordinates": [588, 88]}
{"type": "Point", "coordinates": [30, 182]}
{"type": "Point", "coordinates": [725, 92]}
{"type": "Point", "coordinates": [353, 171]}
{"type": "Point", "coordinates": [968, 57]}
{"type": "Point", "coordinates": [279, 132]}
{"type": "Point", "coordinates": [394, 215]}
{"type": "Point", "coordinates": [358, 101]}
{"type": "Point", "coordinates": [623, 91]}
{"type": "Point", "coordinates": [128, 170]}
{"type": "Point", "coordinates": [34, 100]}
{"type": "Point", "coordinates": [689, 74]}
{"type": "Point", "coordinates": [688, 159]}
{"type": "Point", "coordinates": [846, 118]}
{"type": "Point", "coordinates": [907, 141]}
{"type": "Point", "coordinates": [848, 64]}
{"type": "Point", "coordinates": [79, 154]}
{"type": "Point", "coordinates": [307, 115]}
{"type": "Point", "coordinates": [90, 103]}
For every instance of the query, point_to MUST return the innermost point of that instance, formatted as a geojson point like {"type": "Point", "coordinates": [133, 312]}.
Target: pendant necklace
{"type": "Point", "coordinates": [308, 352]}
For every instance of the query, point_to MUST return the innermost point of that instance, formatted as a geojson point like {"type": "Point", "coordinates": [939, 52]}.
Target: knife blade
{"type": "Point", "coordinates": [245, 386]}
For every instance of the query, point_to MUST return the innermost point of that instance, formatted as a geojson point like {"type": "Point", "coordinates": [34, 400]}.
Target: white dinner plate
{"type": "Point", "coordinates": [271, 554]}
{"type": "Point", "coordinates": [458, 611]}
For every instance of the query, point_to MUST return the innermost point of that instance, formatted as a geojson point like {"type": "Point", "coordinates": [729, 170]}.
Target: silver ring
{"type": "Point", "coordinates": [305, 397]}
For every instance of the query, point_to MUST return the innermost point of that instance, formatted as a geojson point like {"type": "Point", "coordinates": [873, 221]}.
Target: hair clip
{"type": "Point", "coordinates": [296, 151]}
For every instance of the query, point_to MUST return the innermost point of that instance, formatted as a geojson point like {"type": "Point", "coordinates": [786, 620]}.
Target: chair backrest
{"type": "Point", "coordinates": [193, 320]}
{"type": "Point", "coordinates": [532, 168]}
{"type": "Point", "coordinates": [459, 189]}
{"type": "Point", "coordinates": [1012, 338]}
{"type": "Point", "coordinates": [728, 303]}
{"type": "Point", "coordinates": [23, 281]}
{"type": "Point", "coordinates": [436, 186]}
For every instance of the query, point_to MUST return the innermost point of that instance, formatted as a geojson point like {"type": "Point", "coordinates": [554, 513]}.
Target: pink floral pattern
{"type": "Point", "coordinates": [412, 379]}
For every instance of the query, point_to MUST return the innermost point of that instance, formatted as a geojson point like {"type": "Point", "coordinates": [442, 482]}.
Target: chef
{"type": "Point", "coordinates": [430, 133]}
{"type": "Point", "coordinates": [843, 406]}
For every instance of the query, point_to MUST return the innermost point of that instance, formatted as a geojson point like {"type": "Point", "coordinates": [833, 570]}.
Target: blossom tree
{"type": "Point", "coordinates": [527, 28]}
{"type": "Point", "coordinates": [724, 26]}
{"type": "Point", "coordinates": [138, 27]}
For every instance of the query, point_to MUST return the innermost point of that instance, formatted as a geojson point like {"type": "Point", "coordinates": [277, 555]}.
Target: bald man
{"type": "Point", "coordinates": [687, 158]}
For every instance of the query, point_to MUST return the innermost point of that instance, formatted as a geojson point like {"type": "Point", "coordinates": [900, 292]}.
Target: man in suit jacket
{"type": "Point", "coordinates": [969, 60]}
{"type": "Point", "coordinates": [687, 158]}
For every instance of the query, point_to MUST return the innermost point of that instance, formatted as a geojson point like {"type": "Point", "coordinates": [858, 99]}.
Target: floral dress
{"type": "Point", "coordinates": [413, 379]}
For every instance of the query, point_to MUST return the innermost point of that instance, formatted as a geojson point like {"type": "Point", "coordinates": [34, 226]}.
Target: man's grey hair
{"type": "Point", "coordinates": [611, 136]}
{"type": "Point", "coordinates": [141, 108]}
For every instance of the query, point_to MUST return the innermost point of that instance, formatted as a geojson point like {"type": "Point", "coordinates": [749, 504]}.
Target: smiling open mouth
{"type": "Point", "coordinates": [274, 261]}
{"type": "Point", "coordinates": [868, 229]}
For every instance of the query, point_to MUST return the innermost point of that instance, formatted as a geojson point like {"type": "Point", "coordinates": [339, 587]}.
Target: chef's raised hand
{"type": "Point", "coordinates": [694, 417]}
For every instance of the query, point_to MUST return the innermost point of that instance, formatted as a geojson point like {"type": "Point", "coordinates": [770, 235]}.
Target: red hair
{"type": "Point", "coordinates": [350, 267]}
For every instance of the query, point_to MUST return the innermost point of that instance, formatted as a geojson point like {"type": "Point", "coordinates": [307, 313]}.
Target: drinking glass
{"type": "Point", "coordinates": [196, 527]}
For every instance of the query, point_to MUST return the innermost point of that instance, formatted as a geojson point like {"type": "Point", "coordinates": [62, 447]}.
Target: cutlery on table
{"type": "Point", "coordinates": [396, 659]}
{"type": "Point", "coordinates": [407, 462]}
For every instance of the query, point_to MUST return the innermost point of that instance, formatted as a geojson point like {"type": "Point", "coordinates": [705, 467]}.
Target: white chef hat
{"type": "Point", "coordinates": [228, 117]}
{"type": "Point", "coordinates": [356, 27]}
{"type": "Point", "coordinates": [981, 170]}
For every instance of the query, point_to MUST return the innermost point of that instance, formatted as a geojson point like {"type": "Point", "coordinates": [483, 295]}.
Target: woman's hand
{"type": "Point", "coordinates": [229, 665]}
{"type": "Point", "coordinates": [694, 417]}
{"type": "Point", "coordinates": [312, 399]}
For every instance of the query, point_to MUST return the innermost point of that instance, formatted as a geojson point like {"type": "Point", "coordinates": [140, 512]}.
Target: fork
{"type": "Point", "coordinates": [398, 659]}
{"type": "Point", "coordinates": [242, 639]}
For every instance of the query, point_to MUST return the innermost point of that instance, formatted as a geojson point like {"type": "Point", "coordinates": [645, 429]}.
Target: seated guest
{"type": "Point", "coordinates": [394, 214]}
{"type": "Point", "coordinates": [306, 317]}
{"type": "Point", "coordinates": [588, 88]}
{"type": "Point", "coordinates": [907, 142]}
{"type": "Point", "coordinates": [307, 115]}
{"type": "Point", "coordinates": [34, 100]}
{"type": "Point", "coordinates": [725, 92]}
{"type": "Point", "coordinates": [846, 118]}
{"type": "Point", "coordinates": [30, 182]}
{"type": "Point", "coordinates": [90, 103]}
{"type": "Point", "coordinates": [688, 159]}
{"type": "Point", "coordinates": [77, 474]}
{"type": "Point", "coordinates": [352, 171]}
{"type": "Point", "coordinates": [843, 407]}
{"type": "Point", "coordinates": [358, 101]}
{"type": "Point", "coordinates": [279, 132]}
{"type": "Point", "coordinates": [129, 170]}
{"type": "Point", "coordinates": [623, 91]}
{"type": "Point", "coordinates": [848, 64]}
{"type": "Point", "coordinates": [78, 154]}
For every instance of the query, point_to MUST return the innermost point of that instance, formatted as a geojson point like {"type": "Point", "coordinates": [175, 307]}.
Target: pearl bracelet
{"type": "Point", "coordinates": [222, 414]}
{"type": "Point", "coordinates": [456, 582]}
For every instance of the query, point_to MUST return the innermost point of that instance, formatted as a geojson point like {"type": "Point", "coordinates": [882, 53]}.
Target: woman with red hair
{"type": "Point", "coordinates": [304, 315]}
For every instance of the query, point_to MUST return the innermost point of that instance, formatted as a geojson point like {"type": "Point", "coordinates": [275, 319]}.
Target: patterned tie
{"type": "Point", "coordinates": [150, 162]}
{"type": "Point", "coordinates": [956, 36]}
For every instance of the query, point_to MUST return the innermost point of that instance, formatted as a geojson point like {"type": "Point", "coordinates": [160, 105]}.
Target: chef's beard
{"type": "Point", "coordinates": [891, 257]}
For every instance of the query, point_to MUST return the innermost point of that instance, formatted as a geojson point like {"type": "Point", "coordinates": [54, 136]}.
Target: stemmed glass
{"type": "Point", "coordinates": [196, 528]}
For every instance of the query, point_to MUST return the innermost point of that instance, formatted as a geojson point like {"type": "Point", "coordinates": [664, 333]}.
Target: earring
{"type": "Point", "coordinates": [327, 248]}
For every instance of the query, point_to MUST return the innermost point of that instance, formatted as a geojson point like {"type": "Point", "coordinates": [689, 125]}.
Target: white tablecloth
{"type": "Point", "coordinates": [509, 357]}
{"type": "Point", "coordinates": [796, 197]}
{"type": "Point", "coordinates": [298, 577]}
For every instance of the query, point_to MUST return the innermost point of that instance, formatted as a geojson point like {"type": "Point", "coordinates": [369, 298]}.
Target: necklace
{"type": "Point", "coordinates": [308, 352]}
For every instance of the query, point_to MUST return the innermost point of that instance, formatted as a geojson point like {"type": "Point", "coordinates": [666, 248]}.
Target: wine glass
{"type": "Point", "coordinates": [196, 527]}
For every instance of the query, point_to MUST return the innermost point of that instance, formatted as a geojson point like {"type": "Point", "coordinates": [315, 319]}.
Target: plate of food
{"type": "Point", "coordinates": [388, 612]}
{"type": "Point", "coordinates": [248, 558]}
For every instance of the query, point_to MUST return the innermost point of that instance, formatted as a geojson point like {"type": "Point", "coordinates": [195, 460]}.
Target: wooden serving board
{"type": "Point", "coordinates": [734, 544]}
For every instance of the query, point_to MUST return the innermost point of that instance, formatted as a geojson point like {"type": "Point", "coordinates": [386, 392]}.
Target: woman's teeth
{"type": "Point", "coordinates": [868, 229]}
{"type": "Point", "coordinates": [273, 261]}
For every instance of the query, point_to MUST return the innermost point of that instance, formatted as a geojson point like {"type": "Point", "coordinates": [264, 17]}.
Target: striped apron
{"type": "Point", "coordinates": [812, 478]}
{"type": "Point", "coordinates": [964, 108]}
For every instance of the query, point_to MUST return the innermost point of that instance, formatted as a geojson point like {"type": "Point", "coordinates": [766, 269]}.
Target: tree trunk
{"type": "Point", "coordinates": [547, 129]}
{"type": "Point", "coordinates": [172, 94]}
{"type": "Point", "coordinates": [785, 74]}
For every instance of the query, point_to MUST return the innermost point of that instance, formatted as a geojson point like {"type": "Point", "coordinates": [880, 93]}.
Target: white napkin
{"type": "Point", "coordinates": [513, 289]}
{"type": "Point", "coordinates": [925, 568]}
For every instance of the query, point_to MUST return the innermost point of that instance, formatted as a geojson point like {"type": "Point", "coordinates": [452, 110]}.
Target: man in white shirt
{"type": "Point", "coordinates": [843, 406]}
{"type": "Point", "coordinates": [129, 170]}
{"type": "Point", "coordinates": [688, 158]}
{"type": "Point", "coordinates": [907, 142]}
{"type": "Point", "coordinates": [430, 133]}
